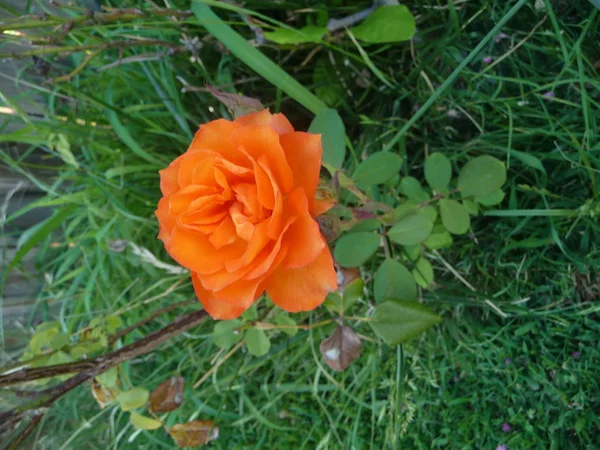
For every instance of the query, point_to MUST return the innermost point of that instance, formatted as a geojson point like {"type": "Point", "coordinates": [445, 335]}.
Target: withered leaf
{"type": "Point", "coordinates": [346, 275]}
{"type": "Point", "coordinates": [238, 105]}
{"type": "Point", "coordinates": [341, 348]}
{"type": "Point", "coordinates": [330, 226]}
{"type": "Point", "coordinates": [103, 395]}
{"type": "Point", "coordinates": [168, 396]}
{"type": "Point", "coordinates": [196, 432]}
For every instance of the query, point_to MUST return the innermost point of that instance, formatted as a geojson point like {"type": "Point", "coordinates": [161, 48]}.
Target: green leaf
{"type": "Point", "coordinates": [329, 125]}
{"type": "Point", "coordinates": [109, 378]}
{"type": "Point", "coordinates": [366, 225]}
{"type": "Point", "coordinates": [144, 423]}
{"type": "Point", "coordinates": [284, 319]}
{"type": "Point", "coordinates": [377, 168]}
{"type": "Point", "coordinates": [481, 176]}
{"type": "Point", "coordinates": [133, 399]}
{"type": "Point", "coordinates": [428, 211]}
{"type": "Point", "coordinates": [471, 207]}
{"type": "Point", "coordinates": [44, 326]}
{"type": "Point", "coordinates": [411, 187]}
{"type": "Point", "coordinates": [61, 144]}
{"type": "Point", "coordinates": [78, 351]}
{"type": "Point", "coordinates": [113, 323]}
{"type": "Point", "coordinates": [455, 216]}
{"type": "Point", "coordinates": [59, 358]}
{"type": "Point", "coordinates": [399, 213]}
{"type": "Point", "coordinates": [411, 253]}
{"type": "Point", "coordinates": [97, 322]}
{"type": "Point", "coordinates": [257, 342]}
{"type": "Point", "coordinates": [353, 292]}
{"type": "Point", "coordinates": [423, 272]}
{"type": "Point", "coordinates": [306, 34]}
{"type": "Point", "coordinates": [251, 313]}
{"type": "Point", "coordinates": [495, 198]}
{"type": "Point", "coordinates": [226, 334]}
{"type": "Point", "coordinates": [386, 24]}
{"type": "Point", "coordinates": [393, 280]}
{"type": "Point", "coordinates": [398, 321]}
{"type": "Point", "coordinates": [438, 240]}
{"type": "Point", "coordinates": [334, 303]}
{"type": "Point", "coordinates": [41, 339]}
{"type": "Point", "coordinates": [411, 230]}
{"type": "Point", "coordinates": [354, 249]}
{"type": "Point", "coordinates": [253, 58]}
{"type": "Point", "coordinates": [59, 340]}
{"type": "Point", "coordinates": [438, 172]}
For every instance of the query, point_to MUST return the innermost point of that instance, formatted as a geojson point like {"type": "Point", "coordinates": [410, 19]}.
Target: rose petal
{"type": "Point", "coordinates": [262, 141]}
{"type": "Point", "coordinates": [165, 218]}
{"type": "Point", "coordinates": [303, 153]}
{"type": "Point", "coordinates": [303, 239]}
{"type": "Point", "coordinates": [217, 309]}
{"type": "Point", "coordinates": [168, 178]}
{"type": "Point", "coordinates": [215, 136]}
{"type": "Point", "coordinates": [265, 186]}
{"type": "Point", "coordinates": [275, 225]}
{"type": "Point", "coordinates": [304, 288]}
{"type": "Point", "coordinates": [257, 242]}
{"type": "Point", "coordinates": [181, 200]}
{"type": "Point", "coordinates": [194, 251]}
{"type": "Point", "coordinates": [241, 293]}
{"type": "Point", "coordinates": [196, 168]}
{"type": "Point", "coordinates": [243, 227]}
{"type": "Point", "coordinates": [262, 266]}
{"type": "Point", "coordinates": [224, 234]}
{"type": "Point", "coordinates": [278, 122]}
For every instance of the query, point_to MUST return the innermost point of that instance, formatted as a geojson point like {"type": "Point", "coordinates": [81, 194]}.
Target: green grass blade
{"type": "Point", "coordinates": [454, 75]}
{"type": "Point", "coordinates": [44, 230]}
{"type": "Point", "coordinates": [255, 59]}
{"type": "Point", "coordinates": [532, 213]}
{"type": "Point", "coordinates": [124, 134]}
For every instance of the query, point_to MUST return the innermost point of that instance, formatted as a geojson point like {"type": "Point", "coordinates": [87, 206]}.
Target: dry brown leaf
{"type": "Point", "coordinates": [102, 394]}
{"type": "Point", "coordinates": [238, 105]}
{"type": "Point", "coordinates": [346, 275]}
{"type": "Point", "coordinates": [330, 227]}
{"type": "Point", "coordinates": [168, 396]}
{"type": "Point", "coordinates": [196, 432]}
{"type": "Point", "coordinates": [341, 348]}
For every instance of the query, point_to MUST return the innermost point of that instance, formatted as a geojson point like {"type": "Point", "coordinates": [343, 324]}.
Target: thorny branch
{"type": "Point", "coordinates": [87, 370]}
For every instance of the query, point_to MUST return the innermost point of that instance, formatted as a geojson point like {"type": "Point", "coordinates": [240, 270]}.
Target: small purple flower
{"type": "Point", "coordinates": [506, 427]}
{"type": "Point", "coordinates": [488, 59]}
{"type": "Point", "coordinates": [507, 361]}
{"type": "Point", "coordinates": [575, 355]}
{"type": "Point", "coordinates": [416, 107]}
{"type": "Point", "coordinates": [502, 447]}
{"type": "Point", "coordinates": [549, 95]}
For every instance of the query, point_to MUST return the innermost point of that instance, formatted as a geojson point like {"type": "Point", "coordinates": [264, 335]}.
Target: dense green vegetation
{"type": "Point", "coordinates": [515, 361]}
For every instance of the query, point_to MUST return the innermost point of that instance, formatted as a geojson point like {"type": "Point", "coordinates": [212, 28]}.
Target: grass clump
{"type": "Point", "coordinates": [515, 360]}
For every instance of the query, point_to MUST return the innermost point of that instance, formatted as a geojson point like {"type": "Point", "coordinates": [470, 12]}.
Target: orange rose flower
{"type": "Point", "coordinates": [238, 211]}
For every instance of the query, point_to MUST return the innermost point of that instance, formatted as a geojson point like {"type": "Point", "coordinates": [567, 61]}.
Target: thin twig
{"type": "Point", "coordinates": [79, 68]}
{"type": "Point", "coordinates": [122, 15]}
{"type": "Point", "coordinates": [97, 365]}
{"type": "Point", "coordinates": [145, 320]}
{"type": "Point", "coordinates": [81, 48]}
